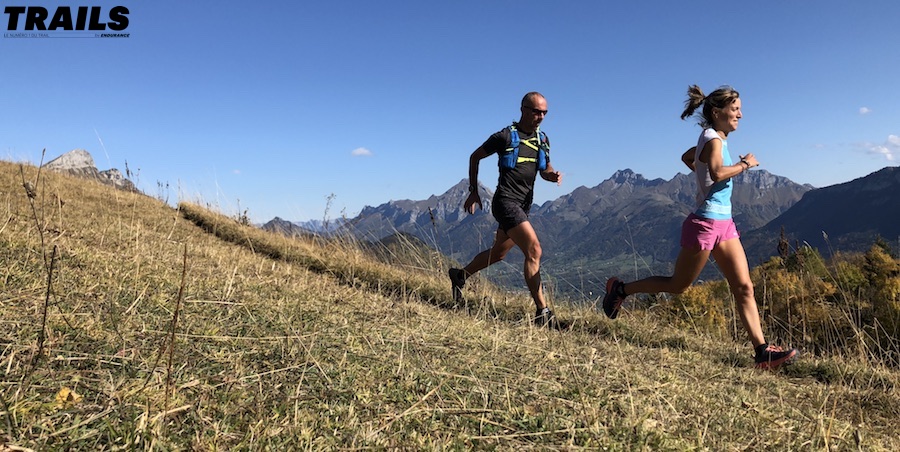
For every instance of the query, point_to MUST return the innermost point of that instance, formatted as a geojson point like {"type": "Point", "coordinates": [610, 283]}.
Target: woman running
{"type": "Point", "coordinates": [710, 228]}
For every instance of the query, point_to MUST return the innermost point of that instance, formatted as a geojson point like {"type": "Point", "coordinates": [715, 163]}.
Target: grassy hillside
{"type": "Point", "coordinates": [127, 324]}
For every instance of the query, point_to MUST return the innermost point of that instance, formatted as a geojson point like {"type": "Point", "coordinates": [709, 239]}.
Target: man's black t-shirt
{"type": "Point", "coordinates": [516, 183]}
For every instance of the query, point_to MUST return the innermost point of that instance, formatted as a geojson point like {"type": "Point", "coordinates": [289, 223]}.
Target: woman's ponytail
{"type": "Point", "coordinates": [693, 102]}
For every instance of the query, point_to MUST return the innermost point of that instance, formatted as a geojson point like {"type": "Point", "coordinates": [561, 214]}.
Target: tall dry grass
{"type": "Point", "coordinates": [846, 306]}
{"type": "Point", "coordinates": [174, 329]}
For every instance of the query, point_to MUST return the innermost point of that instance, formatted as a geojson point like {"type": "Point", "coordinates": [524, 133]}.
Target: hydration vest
{"type": "Point", "coordinates": [510, 157]}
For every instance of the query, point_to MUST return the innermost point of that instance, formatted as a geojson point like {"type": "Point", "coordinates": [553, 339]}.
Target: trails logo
{"type": "Point", "coordinates": [66, 22]}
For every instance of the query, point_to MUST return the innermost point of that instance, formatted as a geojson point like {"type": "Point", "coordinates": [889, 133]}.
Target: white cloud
{"type": "Point", "coordinates": [883, 150]}
{"type": "Point", "coordinates": [865, 110]}
{"type": "Point", "coordinates": [361, 152]}
{"type": "Point", "coordinates": [894, 140]}
{"type": "Point", "coordinates": [890, 149]}
{"type": "Point", "coordinates": [237, 171]}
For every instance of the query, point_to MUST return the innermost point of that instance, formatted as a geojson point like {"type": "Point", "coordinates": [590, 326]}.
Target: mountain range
{"type": "Point", "coordinates": [626, 225]}
{"type": "Point", "coordinates": [295, 228]}
{"type": "Point", "coordinates": [844, 217]}
{"type": "Point", "coordinates": [629, 225]}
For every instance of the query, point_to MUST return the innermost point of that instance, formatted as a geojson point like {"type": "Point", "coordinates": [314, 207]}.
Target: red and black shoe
{"type": "Point", "coordinates": [774, 356]}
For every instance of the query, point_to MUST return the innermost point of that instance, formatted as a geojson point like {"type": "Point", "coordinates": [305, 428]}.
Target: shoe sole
{"type": "Point", "coordinates": [784, 360]}
{"type": "Point", "coordinates": [552, 324]}
{"type": "Point", "coordinates": [614, 311]}
{"type": "Point", "coordinates": [455, 288]}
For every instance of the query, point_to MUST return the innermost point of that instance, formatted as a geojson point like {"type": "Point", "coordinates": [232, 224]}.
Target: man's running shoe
{"type": "Point", "coordinates": [457, 281]}
{"type": "Point", "coordinates": [614, 297]}
{"type": "Point", "coordinates": [773, 357]}
{"type": "Point", "coordinates": [545, 318]}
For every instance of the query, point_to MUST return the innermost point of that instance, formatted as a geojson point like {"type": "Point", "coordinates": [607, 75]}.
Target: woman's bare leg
{"type": "Point", "coordinates": [688, 266]}
{"type": "Point", "coordinates": [732, 260]}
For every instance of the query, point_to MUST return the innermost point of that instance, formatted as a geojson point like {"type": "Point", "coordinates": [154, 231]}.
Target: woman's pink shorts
{"type": "Point", "coordinates": [705, 234]}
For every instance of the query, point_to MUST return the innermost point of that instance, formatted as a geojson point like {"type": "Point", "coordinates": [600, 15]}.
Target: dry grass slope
{"type": "Point", "coordinates": [127, 324]}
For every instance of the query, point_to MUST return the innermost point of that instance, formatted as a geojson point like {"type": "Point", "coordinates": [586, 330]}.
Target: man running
{"type": "Point", "coordinates": [524, 152]}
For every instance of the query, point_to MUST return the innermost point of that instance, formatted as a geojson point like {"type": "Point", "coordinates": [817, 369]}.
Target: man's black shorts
{"type": "Point", "coordinates": [510, 213]}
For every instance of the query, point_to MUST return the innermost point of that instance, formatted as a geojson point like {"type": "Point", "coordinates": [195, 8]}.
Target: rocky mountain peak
{"type": "Point", "coordinates": [762, 179]}
{"type": "Point", "coordinates": [625, 175]}
{"type": "Point", "coordinates": [74, 160]}
{"type": "Point", "coordinates": [630, 179]}
{"type": "Point", "coordinates": [79, 162]}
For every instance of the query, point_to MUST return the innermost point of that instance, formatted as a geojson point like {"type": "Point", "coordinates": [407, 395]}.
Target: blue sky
{"type": "Point", "coordinates": [275, 106]}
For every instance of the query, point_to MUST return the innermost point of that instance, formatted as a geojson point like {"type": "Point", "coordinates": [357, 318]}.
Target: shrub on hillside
{"type": "Point", "coordinates": [882, 272]}
{"type": "Point", "coordinates": [850, 277]}
{"type": "Point", "coordinates": [701, 306]}
{"type": "Point", "coordinates": [850, 304]}
{"type": "Point", "coordinates": [797, 302]}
